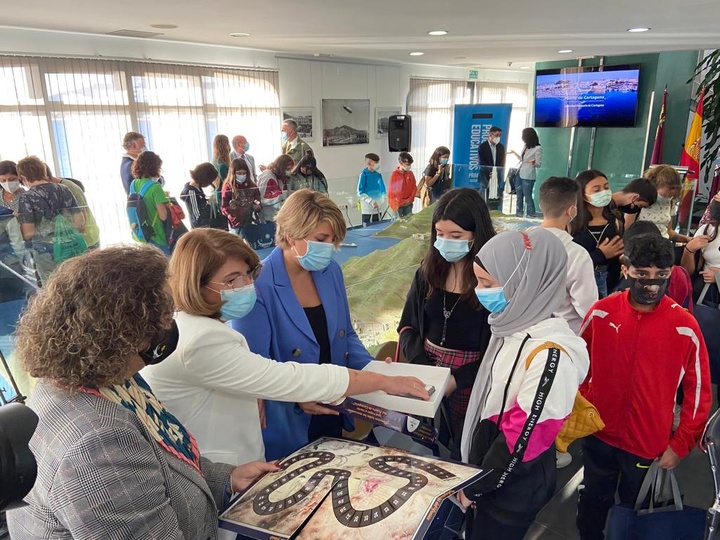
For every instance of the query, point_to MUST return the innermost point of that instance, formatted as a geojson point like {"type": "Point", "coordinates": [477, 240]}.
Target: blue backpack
{"type": "Point", "coordinates": [140, 226]}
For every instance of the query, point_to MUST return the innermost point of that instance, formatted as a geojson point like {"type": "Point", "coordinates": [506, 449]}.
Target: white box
{"type": "Point", "coordinates": [439, 377]}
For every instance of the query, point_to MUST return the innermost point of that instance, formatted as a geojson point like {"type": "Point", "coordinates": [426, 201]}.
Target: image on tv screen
{"type": "Point", "coordinates": [578, 97]}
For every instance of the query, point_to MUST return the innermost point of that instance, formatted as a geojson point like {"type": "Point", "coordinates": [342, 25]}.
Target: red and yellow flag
{"type": "Point", "coordinates": [690, 158]}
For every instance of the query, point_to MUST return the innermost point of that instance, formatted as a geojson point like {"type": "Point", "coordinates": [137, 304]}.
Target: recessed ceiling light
{"type": "Point", "coordinates": [524, 67]}
{"type": "Point", "coordinates": [416, 53]}
{"type": "Point", "coordinates": [437, 33]}
{"type": "Point", "coordinates": [239, 34]}
{"type": "Point", "coordinates": [461, 58]}
{"type": "Point", "coordinates": [565, 51]}
{"type": "Point", "coordinates": [638, 29]}
{"type": "Point", "coordinates": [164, 26]}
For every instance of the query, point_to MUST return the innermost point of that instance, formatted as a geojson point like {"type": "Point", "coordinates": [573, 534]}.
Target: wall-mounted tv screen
{"type": "Point", "coordinates": [587, 96]}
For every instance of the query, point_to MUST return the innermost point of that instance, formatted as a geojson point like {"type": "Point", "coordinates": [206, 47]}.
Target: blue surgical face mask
{"type": "Point", "coordinates": [283, 136]}
{"type": "Point", "coordinates": [452, 250]}
{"type": "Point", "coordinates": [443, 161]}
{"type": "Point", "coordinates": [492, 299]}
{"type": "Point", "coordinates": [662, 199]}
{"type": "Point", "coordinates": [241, 177]}
{"type": "Point", "coordinates": [317, 257]}
{"type": "Point", "coordinates": [601, 199]}
{"type": "Point", "coordinates": [246, 146]}
{"type": "Point", "coordinates": [237, 303]}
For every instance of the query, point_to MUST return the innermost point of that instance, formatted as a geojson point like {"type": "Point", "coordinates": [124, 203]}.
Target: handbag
{"type": "Point", "coordinates": [671, 520]}
{"type": "Point", "coordinates": [584, 420]}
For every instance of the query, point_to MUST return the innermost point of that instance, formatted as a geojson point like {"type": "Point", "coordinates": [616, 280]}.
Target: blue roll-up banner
{"type": "Point", "coordinates": [472, 125]}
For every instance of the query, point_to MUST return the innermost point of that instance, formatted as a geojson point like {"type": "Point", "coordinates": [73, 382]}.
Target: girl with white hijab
{"type": "Point", "coordinates": [526, 385]}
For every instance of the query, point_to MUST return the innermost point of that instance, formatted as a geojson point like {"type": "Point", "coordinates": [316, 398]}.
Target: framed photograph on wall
{"type": "Point", "coordinates": [304, 117]}
{"type": "Point", "coordinates": [382, 120]}
{"type": "Point", "coordinates": [345, 121]}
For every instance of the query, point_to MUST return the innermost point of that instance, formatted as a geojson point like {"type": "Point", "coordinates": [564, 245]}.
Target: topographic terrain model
{"type": "Point", "coordinates": [341, 490]}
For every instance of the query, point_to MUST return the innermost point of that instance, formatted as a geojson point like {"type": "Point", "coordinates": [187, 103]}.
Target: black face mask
{"type": "Point", "coordinates": [161, 347]}
{"type": "Point", "coordinates": [715, 211]}
{"type": "Point", "coordinates": [627, 208]}
{"type": "Point", "coordinates": [643, 291]}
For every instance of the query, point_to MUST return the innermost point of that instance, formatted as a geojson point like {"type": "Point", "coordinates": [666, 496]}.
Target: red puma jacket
{"type": "Point", "coordinates": [637, 362]}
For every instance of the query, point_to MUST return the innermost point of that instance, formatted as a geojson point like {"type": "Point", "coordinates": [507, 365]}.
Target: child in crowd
{"type": "Point", "coordinates": [559, 205]}
{"type": "Point", "coordinates": [643, 347]}
{"type": "Point", "coordinates": [401, 194]}
{"type": "Point", "coordinates": [436, 176]}
{"type": "Point", "coordinates": [679, 287]}
{"type": "Point", "coordinates": [630, 200]}
{"type": "Point", "coordinates": [702, 253]}
{"type": "Point", "coordinates": [598, 228]}
{"type": "Point", "coordinates": [202, 212]}
{"type": "Point", "coordinates": [668, 183]}
{"type": "Point", "coordinates": [371, 190]}
{"type": "Point", "coordinates": [240, 196]}
{"type": "Point", "coordinates": [527, 383]}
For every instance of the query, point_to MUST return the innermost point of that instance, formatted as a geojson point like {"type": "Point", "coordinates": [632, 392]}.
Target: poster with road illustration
{"type": "Point", "coordinates": [341, 490]}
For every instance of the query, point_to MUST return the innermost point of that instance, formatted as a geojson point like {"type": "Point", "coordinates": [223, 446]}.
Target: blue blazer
{"type": "Point", "coordinates": [278, 328]}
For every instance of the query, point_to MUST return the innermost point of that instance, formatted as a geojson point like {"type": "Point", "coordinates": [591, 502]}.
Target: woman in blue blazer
{"type": "Point", "coordinates": [302, 315]}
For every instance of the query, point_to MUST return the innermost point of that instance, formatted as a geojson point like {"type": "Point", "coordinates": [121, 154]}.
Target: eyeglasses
{"type": "Point", "coordinates": [241, 280]}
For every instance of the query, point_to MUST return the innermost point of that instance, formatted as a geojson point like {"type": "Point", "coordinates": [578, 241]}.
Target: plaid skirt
{"type": "Point", "coordinates": [450, 358]}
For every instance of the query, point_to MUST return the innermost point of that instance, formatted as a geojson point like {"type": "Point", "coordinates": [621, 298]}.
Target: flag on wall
{"type": "Point", "coordinates": [690, 158]}
{"type": "Point", "coordinates": [657, 152]}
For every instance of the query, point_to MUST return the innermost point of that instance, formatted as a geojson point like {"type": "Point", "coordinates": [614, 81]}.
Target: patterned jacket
{"type": "Point", "coordinates": [102, 475]}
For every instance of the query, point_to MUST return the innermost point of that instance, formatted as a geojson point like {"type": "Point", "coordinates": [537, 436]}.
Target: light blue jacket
{"type": "Point", "coordinates": [278, 328]}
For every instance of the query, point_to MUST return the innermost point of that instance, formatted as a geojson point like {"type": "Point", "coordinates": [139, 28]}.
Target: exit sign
{"type": "Point", "coordinates": [473, 74]}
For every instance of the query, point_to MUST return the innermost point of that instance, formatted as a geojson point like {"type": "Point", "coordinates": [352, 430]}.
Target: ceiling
{"type": "Point", "coordinates": [481, 33]}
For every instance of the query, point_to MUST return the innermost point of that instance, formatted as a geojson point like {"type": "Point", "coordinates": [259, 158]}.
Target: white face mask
{"type": "Point", "coordinates": [11, 186]}
{"type": "Point", "coordinates": [241, 177]}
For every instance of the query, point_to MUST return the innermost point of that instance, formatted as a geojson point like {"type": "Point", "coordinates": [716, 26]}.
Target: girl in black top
{"type": "Point", "coordinates": [598, 228]}
{"type": "Point", "coordinates": [443, 323]}
{"type": "Point", "coordinates": [203, 213]}
{"type": "Point", "coordinates": [437, 173]}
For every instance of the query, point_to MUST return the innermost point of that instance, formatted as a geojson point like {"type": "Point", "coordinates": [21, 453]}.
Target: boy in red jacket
{"type": "Point", "coordinates": [642, 347]}
{"type": "Point", "coordinates": [402, 188]}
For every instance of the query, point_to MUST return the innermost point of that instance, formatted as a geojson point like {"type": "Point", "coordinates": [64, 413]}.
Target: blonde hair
{"type": "Point", "coordinates": [197, 256]}
{"type": "Point", "coordinates": [94, 313]}
{"type": "Point", "coordinates": [664, 176]}
{"type": "Point", "coordinates": [303, 212]}
{"type": "Point", "coordinates": [221, 149]}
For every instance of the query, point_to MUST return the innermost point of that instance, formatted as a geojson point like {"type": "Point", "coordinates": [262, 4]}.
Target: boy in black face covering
{"type": "Point", "coordinates": [643, 347]}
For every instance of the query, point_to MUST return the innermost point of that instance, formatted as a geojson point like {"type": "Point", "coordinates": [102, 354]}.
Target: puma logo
{"type": "Point", "coordinates": [617, 328]}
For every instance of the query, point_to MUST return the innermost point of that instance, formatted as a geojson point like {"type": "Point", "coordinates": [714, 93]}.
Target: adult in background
{"type": "Point", "coordinates": [134, 144]}
{"type": "Point", "coordinates": [293, 145]}
{"type": "Point", "coordinates": [241, 146]}
{"type": "Point", "coordinates": [110, 456]}
{"type": "Point", "coordinates": [307, 175]}
{"type": "Point", "coordinates": [38, 208]}
{"type": "Point", "coordinates": [530, 161]}
{"type": "Point", "coordinates": [492, 158]}
{"type": "Point", "coordinates": [10, 185]}
{"type": "Point", "coordinates": [202, 212]}
{"type": "Point", "coordinates": [213, 381]}
{"type": "Point", "coordinates": [443, 323]}
{"type": "Point", "coordinates": [273, 183]}
{"type": "Point", "coordinates": [91, 231]}
{"type": "Point", "coordinates": [221, 156]}
{"type": "Point", "coordinates": [526, 386]}
{"type": "Point", "coordinates": [302, 314]}
{"type": "Point", "coordinates": [668, 183]}
{"type": "Point", "coordinates": [436, 176]}
{"type": "Point", "coordinates": [403, 186]}
{"type": "Point", "coordinates": [146, 168]}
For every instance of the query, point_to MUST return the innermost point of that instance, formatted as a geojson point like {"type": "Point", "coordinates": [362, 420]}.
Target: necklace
{"type": "Point", "coordinates": [599, 237]}
{"type": "Point", "coordinates": [446, 315]}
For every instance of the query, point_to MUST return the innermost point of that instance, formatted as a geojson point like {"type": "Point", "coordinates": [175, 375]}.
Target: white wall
{"type": "Point", "coordinates": [303, 82]}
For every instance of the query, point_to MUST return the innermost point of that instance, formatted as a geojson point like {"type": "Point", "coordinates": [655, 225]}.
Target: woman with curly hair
{"type": "Point", "coordinates": [111, 459]}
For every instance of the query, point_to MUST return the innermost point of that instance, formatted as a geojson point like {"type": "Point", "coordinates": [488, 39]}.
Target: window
{"type": "Point", "coordinates": [73, 113]}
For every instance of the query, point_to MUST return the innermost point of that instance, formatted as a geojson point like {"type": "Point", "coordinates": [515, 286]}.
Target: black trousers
{"type": "Point", "coordinates": [370, 218]}
{"type": "Point", "coordinates": [482, 526]}
{"type": "Point", "coordinates": [607, 470]}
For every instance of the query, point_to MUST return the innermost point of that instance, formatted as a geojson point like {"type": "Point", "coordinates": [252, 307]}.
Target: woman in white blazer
{"type": "Point", "coordinates": [213, 381]}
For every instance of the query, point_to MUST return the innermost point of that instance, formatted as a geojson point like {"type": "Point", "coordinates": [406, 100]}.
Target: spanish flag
{"type": "Point", "coordinates": [690, 158]}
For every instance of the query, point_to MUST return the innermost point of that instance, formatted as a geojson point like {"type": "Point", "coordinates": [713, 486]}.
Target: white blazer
{"type": "Point", "coordinates": [212, 381]}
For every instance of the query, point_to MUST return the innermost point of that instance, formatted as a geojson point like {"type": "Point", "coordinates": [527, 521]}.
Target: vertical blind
{"type": "Point", "coordinates": [431, 103]}
{"type": "Point", "coordinates": [73, 113]}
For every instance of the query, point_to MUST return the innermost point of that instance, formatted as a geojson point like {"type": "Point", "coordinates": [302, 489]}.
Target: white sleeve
{"type": "Point", "coordinates": [581, 282]}
{"type": "Point", "coordinates": [701, 230]}
{"type": "Point", "coordinates": [220, 361]}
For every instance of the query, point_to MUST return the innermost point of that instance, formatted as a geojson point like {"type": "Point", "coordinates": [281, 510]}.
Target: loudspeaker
{"type": "Point", "coordinates": [399, 132]}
